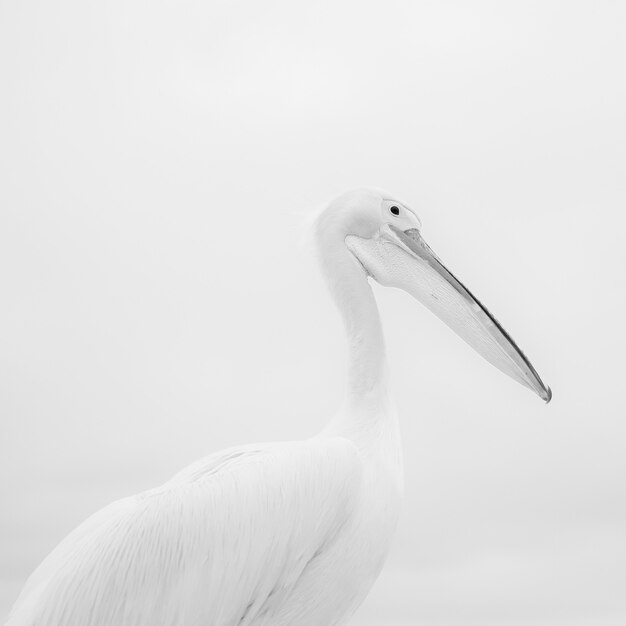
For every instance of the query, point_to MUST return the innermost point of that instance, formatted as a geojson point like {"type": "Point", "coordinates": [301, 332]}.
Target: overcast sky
{"type": "Point", "coordinates": [157, 162]}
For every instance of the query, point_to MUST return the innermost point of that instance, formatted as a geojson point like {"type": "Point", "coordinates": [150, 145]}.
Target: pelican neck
{"type": "Point", "coordinates": [367, 379]}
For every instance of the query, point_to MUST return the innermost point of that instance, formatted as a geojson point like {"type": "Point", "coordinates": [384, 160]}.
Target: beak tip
{"type": "Point", "coordinates": [547, 396]}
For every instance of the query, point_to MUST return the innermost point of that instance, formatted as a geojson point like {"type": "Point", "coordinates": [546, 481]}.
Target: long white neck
{"type": "Point", "coordinates": [366, 386]}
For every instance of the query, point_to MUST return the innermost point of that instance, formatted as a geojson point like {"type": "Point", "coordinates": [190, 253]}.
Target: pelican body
{"type": "Point", "coordinates": [288, 533]}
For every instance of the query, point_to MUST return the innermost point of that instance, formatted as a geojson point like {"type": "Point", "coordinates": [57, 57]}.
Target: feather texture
{"type": "Point", "coordinates": [225, 541]}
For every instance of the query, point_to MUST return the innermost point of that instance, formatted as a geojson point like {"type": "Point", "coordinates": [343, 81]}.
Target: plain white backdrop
{"type": "Point", "coordinates": [157, 162]}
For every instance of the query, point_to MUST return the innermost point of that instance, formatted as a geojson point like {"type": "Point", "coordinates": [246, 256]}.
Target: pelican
{"type": "Point", "coordinates": [289, 533]}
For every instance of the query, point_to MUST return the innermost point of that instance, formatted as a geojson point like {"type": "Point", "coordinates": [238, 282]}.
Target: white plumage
{"type": "Point", "coordinates": [245, 536]}
{"type": "Point", "coordinates": [276, 533]}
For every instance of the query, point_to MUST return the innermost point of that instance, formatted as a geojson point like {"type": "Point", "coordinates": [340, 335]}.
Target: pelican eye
{"type": "Point", "coordinates": [395, 210]}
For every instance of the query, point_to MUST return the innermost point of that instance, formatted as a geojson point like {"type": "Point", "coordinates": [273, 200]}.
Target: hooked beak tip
{"type": "Point", "coordinates": [548, 395]}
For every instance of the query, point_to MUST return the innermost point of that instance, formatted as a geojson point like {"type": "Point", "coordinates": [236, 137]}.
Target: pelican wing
{"type": "Point", "coordinates": [217, 544]}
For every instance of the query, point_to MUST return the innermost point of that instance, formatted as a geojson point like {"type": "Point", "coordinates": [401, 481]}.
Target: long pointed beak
{"type": "Point", "coordinates": [429, 281]}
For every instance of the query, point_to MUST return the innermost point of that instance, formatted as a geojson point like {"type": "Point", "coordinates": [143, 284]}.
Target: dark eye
{"type": "Point", "coordinates": [395, 210]}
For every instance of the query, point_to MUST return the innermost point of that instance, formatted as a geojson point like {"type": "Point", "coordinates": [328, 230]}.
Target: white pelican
{"type": "Point", "coordinates": [277, 533]}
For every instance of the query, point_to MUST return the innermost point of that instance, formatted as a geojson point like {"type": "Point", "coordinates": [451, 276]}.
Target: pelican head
{"type": "Point", "coordinates": [384, 235]}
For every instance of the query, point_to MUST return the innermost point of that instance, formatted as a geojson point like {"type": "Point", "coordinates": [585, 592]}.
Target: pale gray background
{"type": "Point", "coordinates": [156, 159]}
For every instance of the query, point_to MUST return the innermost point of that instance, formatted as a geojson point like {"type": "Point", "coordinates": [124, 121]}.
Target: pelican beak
{"type": "Point", "coordinates": [411, 265]}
